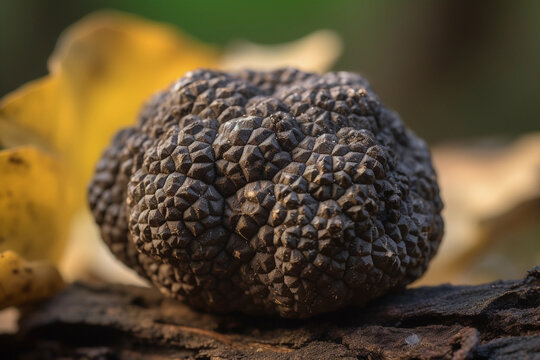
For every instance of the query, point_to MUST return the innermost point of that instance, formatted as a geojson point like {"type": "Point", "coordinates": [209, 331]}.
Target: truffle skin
{"type": "Point", "coordinates": [277, 192]}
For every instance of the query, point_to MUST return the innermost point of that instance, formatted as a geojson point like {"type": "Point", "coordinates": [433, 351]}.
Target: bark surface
{"type": "Point", "coordinates": [499, 320]}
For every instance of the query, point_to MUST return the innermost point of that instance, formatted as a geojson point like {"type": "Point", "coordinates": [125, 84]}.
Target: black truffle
{"type": "Point", "coordinates": [278, 192]}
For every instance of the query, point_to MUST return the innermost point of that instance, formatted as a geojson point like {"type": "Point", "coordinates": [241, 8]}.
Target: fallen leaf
{"type": "Point", "coordinates": [102, 70]}
{"type": "Point", "coordinates": [489, 193]}
{"type": "Point", "coordinates": [34, 204]}
{"type": "Point", "coordinates": [22, 282]}
{"type": "Point", "coordinates": [29, 115]}
{"type": "Point", "coordinates": [316, 52]}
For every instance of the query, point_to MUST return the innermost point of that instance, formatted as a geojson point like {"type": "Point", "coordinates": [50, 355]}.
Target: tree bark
{"type": "Point", "coordinates": [499, 320]}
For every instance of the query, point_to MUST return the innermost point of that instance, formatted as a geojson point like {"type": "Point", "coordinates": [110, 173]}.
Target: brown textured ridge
{"type": "Point", "coordinates": [277, 192]}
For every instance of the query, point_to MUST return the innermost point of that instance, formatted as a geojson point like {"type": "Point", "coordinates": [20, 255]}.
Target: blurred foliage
{"type": "Point", "coordinates": [34, 219]}
{"type": "Point", "coordinates": [92, 91]}
{"type": "Point", "coordinates": [451, 68]}
{"type": "Point", "coordinates": [33, 205]}
{"type": "Point", "coordinates": [25, 282]}
{"type": "Point", "coordinates": [492, 206]}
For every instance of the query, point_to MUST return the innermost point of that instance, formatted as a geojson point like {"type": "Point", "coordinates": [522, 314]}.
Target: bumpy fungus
{"type": "Point", "coordinates": [277, 192]}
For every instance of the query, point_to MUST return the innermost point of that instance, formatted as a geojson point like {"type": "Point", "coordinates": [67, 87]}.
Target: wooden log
{"type": "Point", "coordinates": [500, 320]}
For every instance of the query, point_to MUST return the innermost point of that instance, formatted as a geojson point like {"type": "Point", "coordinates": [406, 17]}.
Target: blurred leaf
{"type": "Point", "coordinates": [23, 282]}
{"type": "Point", "coordinates": [490, 193]}
{"type": "Point", "coordinates": [316, 52]}
{"type": "Point", "coordinates": [102, 70]}
{"type": "Point", "coordinates": [26, 115]}
{"type": "Point", "coordinates": [34, 204]}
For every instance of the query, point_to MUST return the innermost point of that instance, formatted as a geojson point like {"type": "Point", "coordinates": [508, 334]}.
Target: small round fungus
{"type": "Point", "coordinates": [278, 192]}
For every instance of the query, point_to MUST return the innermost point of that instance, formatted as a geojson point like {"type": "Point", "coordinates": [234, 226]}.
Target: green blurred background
{"type": "Point", "coordinates": [453, 69]}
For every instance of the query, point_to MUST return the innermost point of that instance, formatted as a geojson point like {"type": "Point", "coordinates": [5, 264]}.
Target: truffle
{"type": "Point", "coordinates": [278, 192]}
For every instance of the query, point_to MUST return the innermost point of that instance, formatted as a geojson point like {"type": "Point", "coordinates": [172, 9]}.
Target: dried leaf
{"type": "Point", "coordinates": [102, 70]}
{"type": "Point", "coordinates": [23, 282]}
{"type": "Point", "coordinates": [29, 115]}
{"type": "Point", "coordinates": [317, 52]}
{"type": "Point", "coordinates": [489, 193]}
{"type": "Point", "coordinates": [34, 203]}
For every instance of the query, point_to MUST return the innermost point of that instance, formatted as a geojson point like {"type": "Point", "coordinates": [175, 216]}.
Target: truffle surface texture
{"type": "Point", "coordinates": [278, 192]}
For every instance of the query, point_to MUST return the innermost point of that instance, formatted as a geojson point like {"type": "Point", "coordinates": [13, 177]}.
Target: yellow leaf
{"type": "Point", "coordinates": [103, 69]}
{"type": "Point", "coordinates": [316, 52]}
{"type": "Point", "coordinates": [28, 115]}
{"type": "Point", "coordinates": [33, 204]}
{"type": "Point", "coordinates": [23, 282]}
{"type": "Point", "coordinates": [489, 194]}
